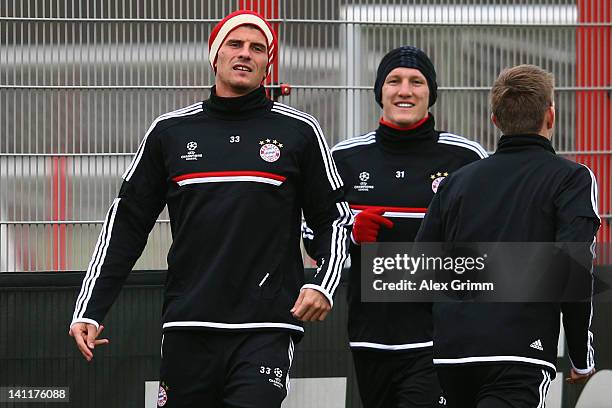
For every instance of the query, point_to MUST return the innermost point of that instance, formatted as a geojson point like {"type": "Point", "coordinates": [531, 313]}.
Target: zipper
{"type": "Point", "coordinates": [264, 279]}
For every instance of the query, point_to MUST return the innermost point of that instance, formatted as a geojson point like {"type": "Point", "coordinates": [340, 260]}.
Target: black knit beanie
{"type": "Point", "coordinates": [407, 57]}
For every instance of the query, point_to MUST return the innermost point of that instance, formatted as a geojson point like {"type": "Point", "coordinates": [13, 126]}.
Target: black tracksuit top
{"type": "Point", "coordinates": [522, 193]}
{"type": "Point", "coordinates": [236, 174]}
{"type": "Point", "coordinates": [400, 171]}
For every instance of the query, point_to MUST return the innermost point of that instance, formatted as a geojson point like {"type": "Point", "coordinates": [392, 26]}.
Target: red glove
{"type": "Point", "coordinates": [367, 224]}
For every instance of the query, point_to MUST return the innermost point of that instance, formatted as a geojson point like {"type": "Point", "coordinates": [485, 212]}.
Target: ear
{"type": "Point", "coordinates": [550, 117]}
{"type": "Point", "coordinates": [494, 120]}
{"type": "Point", "coordinates": [265, 75]}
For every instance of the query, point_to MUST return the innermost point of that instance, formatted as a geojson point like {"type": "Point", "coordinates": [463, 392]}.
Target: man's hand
{"type": "Point", "coordinates": [311, 306]}
{"type": "Point", "coordinates": [367, 225]}
{"type": "Point", "coordinates": [86, 338]}
{"type": "Point", "coordinates": [576, 378]}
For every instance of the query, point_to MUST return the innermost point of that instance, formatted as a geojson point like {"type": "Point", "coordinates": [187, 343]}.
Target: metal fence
{"type": "Point", "coordinates": [80, 82]}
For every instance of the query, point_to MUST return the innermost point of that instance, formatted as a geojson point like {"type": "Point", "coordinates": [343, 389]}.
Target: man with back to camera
{"type": "Point", "coordinates": [504, 354]}
{"type": "Point", "coordinates": [391, 175]}
{"type": "Point", "coordinates": [236, 172]}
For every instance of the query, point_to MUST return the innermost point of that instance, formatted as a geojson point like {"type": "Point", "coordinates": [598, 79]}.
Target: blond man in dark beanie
{"type": "Point", "coordinates": [391, 175]}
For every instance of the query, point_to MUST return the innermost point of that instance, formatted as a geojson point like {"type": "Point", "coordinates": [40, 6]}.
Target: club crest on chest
{"type": "Point", "coordinates": [270, 150]}
{"type": "Point", "coordinates": [436, 179]}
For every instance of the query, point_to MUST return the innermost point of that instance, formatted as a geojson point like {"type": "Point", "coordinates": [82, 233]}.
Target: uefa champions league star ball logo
{"type": "Point", "coordinates": [363, 185]}
{"type": "Point", "coordinates": [192, 146]}
{"type": "Point", "coordinates": [437, 179]}
{"type": "Point", "coordinates": [191, 152]}
{"type": "Point", "coordinates": [278, 372]}
{"type": "Point", "coordinates": [270, 150]}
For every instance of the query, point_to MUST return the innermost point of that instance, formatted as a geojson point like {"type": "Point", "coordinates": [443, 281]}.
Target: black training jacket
{"type": "Point", "coordinates": [236, 175]}
{"type": "Point", "coordinates": [398, 170]}
{"type": "Point", "coordinates": [522, 193]}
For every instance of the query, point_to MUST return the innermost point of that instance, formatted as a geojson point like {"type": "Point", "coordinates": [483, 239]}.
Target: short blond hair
{"type": "Point", "coordinates": [520, 97]}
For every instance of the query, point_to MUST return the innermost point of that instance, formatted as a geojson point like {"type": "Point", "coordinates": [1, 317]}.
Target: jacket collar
{"type": "Point", "coordinates": [394, 139]}
{"type": "Point", "coordinates": [238, 108]}
{"type": "Point", "coordinates": [522, 141]}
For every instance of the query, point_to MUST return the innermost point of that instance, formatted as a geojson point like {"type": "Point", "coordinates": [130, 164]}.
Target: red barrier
{"type": "Point", "coordinates": [593, 108]}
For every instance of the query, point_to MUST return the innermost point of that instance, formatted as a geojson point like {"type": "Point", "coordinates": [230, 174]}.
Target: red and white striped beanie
{"type": "Point", "coordinates": [233, 21]}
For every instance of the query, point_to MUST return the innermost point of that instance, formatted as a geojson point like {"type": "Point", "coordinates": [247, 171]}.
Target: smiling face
{"type": "Point", "coordinates": [405, 97]}
{"type": "Point", "coordinates": [242, 62]}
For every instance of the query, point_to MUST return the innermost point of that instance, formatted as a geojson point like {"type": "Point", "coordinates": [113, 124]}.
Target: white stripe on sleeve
{"type": "Point", "coordinates": [95, 265]}
{"type": "Point", "coordinates": [330, 167]}
{"type": "Point", "coordinates": [189, 110]}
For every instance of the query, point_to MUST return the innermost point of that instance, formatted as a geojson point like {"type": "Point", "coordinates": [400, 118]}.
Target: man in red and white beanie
{"type": "Point", "coordinates": [236, 172]}
{"type": "Point", "coordinates": [238, 19]}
